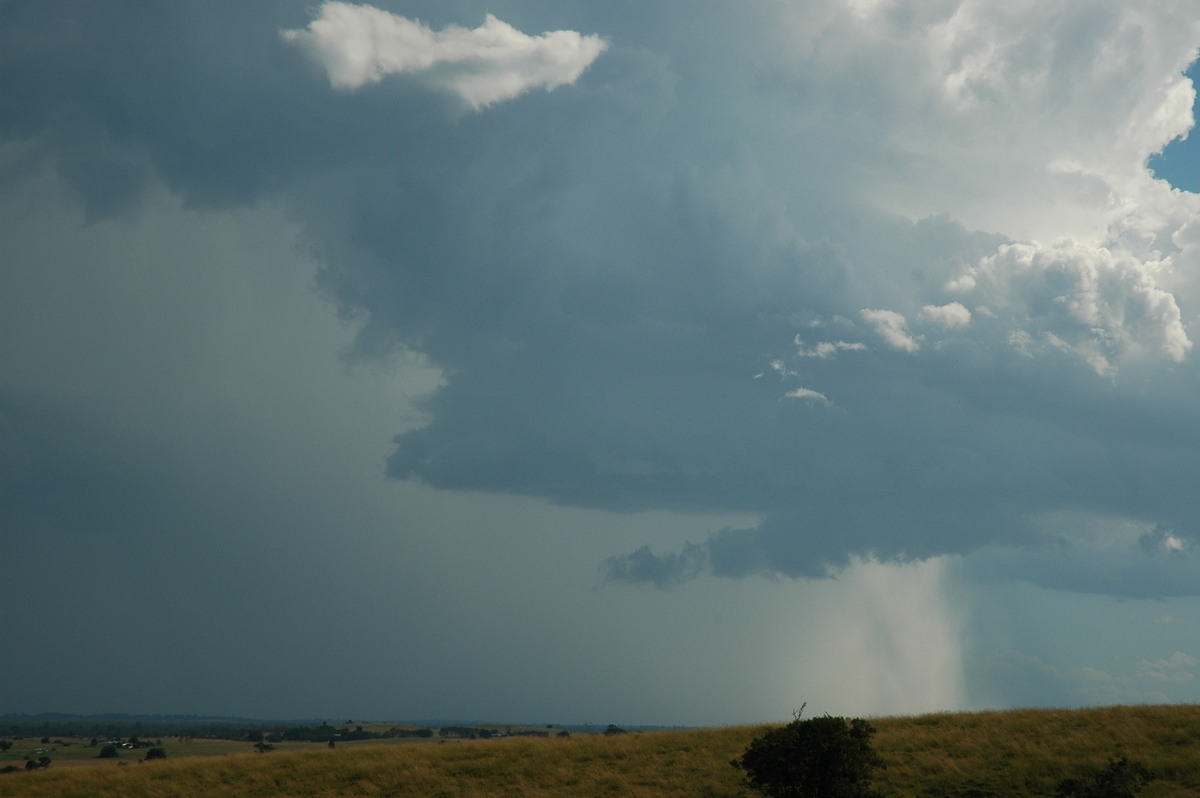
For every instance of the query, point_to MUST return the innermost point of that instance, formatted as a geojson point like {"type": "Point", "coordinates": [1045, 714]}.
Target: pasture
{"type": "Point", "coordinates": [954, 755]}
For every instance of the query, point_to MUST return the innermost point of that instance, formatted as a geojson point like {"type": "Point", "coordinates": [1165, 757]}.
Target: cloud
{"type": "Point", "coordinates": [361, 44]}
{"type": "Point", "coordinates": [1085, 93]}
{"type": "Point", "coordinates": [1162, 539]}
{"type": "Point", "coordinates": [1032, 681]}
{"type": "Point", "coordinates": [595, 274]}
{"type": "Point", "coordinates": [825, 350]}
{"type": "Point", "coordinates": [1103, 306]}
{"type": "Point", "coordinates": [1103, 555]}
{"type": "Point", "coordinates": [1175, 669]}
{"type": "Point", "coordinates": [808, 394]}
{"type": "Point", "coordinates": [643, 566]}
{"type": "Point", "coordinates": [951, 316]}
{"type": "Point", "coordinates": [893, 328]}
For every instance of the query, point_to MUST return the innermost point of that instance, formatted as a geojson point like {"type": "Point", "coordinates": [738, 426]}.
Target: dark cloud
{"type": "Point", "coordinates": [1160, 566]}
{"type": "Point", "coordinates": [607, 272]}
{"type": "Point", "coordinates": [643, 566]}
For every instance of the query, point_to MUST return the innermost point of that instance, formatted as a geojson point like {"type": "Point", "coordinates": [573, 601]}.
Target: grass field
{"type": "Point", "coordinates": [968, 755]}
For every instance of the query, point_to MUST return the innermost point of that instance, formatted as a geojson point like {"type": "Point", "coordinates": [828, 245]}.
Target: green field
{"type": "Point", "coordinates": [962, 755]}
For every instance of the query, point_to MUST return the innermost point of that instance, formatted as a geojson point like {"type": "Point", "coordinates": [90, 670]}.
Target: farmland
{"type": "Point", "coordinates": [956, 755]}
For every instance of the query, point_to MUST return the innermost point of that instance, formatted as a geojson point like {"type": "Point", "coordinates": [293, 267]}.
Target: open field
{"type": "Point", "coordinates": [969, 755]}
{"type": "Point", "coordinates": [77, 753]}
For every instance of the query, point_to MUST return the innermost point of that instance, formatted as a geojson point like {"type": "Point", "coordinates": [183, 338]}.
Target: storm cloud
{"type": "Point", "coordinates": [601, 273]}
{"type": "Point", "coordinates": [836, 286]}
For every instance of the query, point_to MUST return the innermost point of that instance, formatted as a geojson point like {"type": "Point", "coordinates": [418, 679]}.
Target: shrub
{"type": "Point", "coordinates": [108, 752]}
{"type": "Point", "coordinates": [818, 758]}
{"type": "Point", "coordinates": [156, 753]}
{"type": "Point", "coordinates": [1119, 779]}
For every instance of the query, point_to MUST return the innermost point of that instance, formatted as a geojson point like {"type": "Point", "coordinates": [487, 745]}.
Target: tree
{"type": "Point", "coordinates": [108, 752]}
{"type": "Point", "coordinates": [1119, 779]}
{"type": "Point", "coordinates": [818, 758]}
{"type": "Point", "coordinates": [156, 753]}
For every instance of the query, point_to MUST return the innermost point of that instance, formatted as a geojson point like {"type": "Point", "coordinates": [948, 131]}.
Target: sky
{"type": "Point", "coordinates": [598, 361]}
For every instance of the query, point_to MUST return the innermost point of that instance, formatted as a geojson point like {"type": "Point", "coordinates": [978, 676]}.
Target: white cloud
{"type": "Point", "coordinates": [892, 327]}
{"type": "Point", "coordinates": [1172, 670]}
{"type": "Point", "coordinates": [809, 394]}
{"type": "Point", "coordinates": [961, 284]}
{"type": "Point", "coordinates": [361, 44]}
{"type": "Point", "coordinates": [1029, 118]}
{"type": "Point", "coordinates": [950, 316]}
{"type": "Point", "coordinates": [783, 371]}
{"type": "Point", "coordinates": [825, 350]}
{"type": "Point", "coordinates": [1101, 305]}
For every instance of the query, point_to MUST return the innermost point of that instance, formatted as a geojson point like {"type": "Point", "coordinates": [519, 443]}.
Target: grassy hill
{"type": "Point", "coordinates": [962, 755]}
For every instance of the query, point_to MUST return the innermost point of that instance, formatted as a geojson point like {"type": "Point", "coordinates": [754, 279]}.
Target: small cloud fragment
{"type": "Point", "coordinates": [892, 327]}
{"type": "Point", "coordinates": [826, 350]}
{"type": "Point", "coordinates": [1163, 540]}
{"type": "Point", "coordinates": [951, 316]}
{"type": "Point", "coordinates": [808, 394]}
{"type": "Point", "coordinates": [662, 571]}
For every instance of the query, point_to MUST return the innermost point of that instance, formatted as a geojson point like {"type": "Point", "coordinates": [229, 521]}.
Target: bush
{"type": "Point", "coordinates": [819, 758]}
{"type": "Point", "coordinates": [1119, 779]}
{"type": "Point", "coordinates": [108, 752]}
{"type": "Point", "coordinates": [156, 753]}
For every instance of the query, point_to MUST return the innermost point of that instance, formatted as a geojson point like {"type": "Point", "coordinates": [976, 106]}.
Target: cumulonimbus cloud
{"type": "Point", "coordinates": [361, 44]}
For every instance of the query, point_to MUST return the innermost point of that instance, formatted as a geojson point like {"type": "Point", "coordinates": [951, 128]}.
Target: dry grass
{"type": "Point", "coordinates": [1027, 752]}
{"type": "Point", "coordinates": [678, 763]}
{"type": "Point", "coordinates": [976, 755]}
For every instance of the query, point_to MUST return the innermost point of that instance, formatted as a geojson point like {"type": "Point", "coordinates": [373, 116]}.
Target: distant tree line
{"type": "Point", "coordinates": [323, 733]}
{"type": "Point", "coordinates": [124, 727]}
{"type": "Point", "coordinates": [482, 733]}
{"type": "Point", "coordinates": [465, 733]}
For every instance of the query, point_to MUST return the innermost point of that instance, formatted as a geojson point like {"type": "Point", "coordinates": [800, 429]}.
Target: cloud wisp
{"type": "Point", "coordinates": [360, 44]}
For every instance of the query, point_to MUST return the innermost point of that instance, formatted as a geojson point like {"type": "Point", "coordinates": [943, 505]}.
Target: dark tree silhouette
{"type": "Point", "coordinates": [819, 758]}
